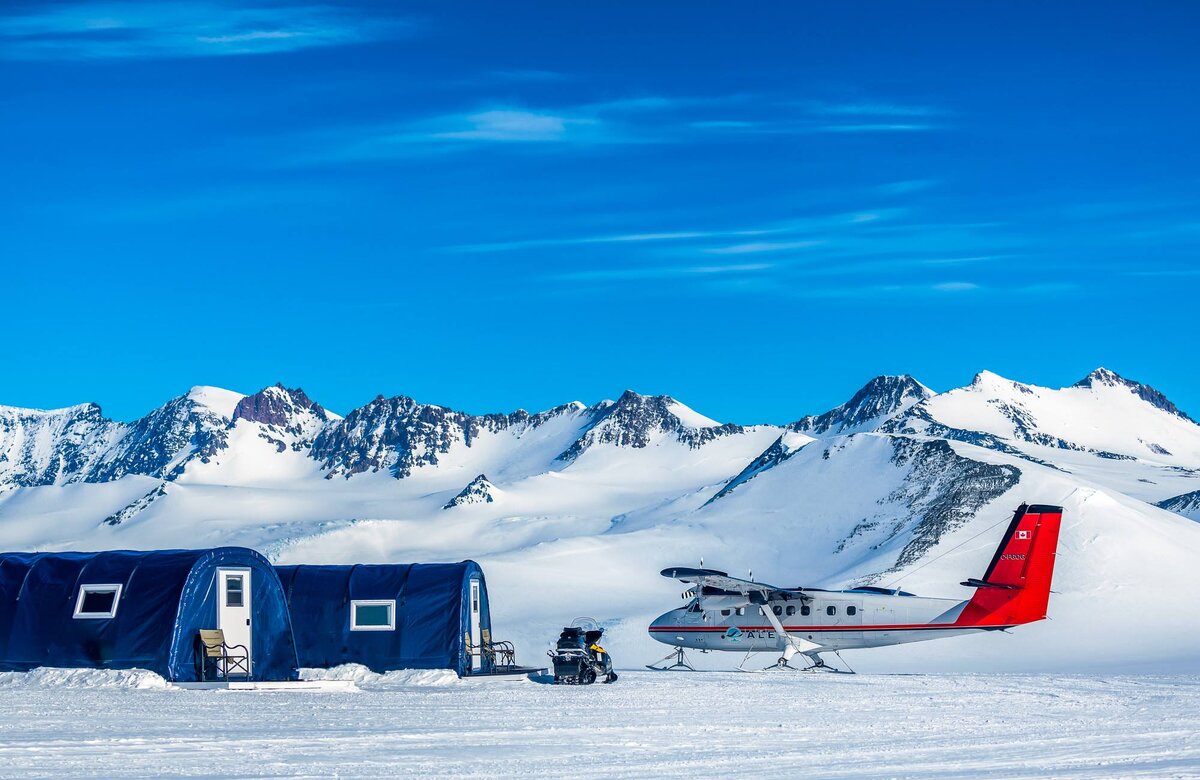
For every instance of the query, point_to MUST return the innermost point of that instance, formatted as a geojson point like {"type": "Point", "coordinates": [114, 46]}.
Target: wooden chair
{"type": "Point", "coordinates": [223, 659]}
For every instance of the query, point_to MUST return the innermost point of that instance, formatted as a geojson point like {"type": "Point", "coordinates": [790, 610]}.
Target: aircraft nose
{"type": "Point", "coordinates": [656, 626]}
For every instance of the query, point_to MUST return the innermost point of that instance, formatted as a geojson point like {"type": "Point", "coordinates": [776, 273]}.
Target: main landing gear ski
{"type": "Point", "coordinates": [678, 660]}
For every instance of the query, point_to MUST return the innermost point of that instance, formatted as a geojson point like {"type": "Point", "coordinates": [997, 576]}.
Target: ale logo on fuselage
{"type": "Point", "coordinates": [734, 634]}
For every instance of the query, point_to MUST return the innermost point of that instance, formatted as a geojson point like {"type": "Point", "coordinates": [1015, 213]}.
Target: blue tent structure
{"type": "Point", "coordinates": [390, 616]}
{"type": "Point", "coordinates": [125, 609]}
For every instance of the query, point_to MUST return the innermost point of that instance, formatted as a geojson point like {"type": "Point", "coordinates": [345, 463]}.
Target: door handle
{"type": "Point", "coordinates": [247, 621]}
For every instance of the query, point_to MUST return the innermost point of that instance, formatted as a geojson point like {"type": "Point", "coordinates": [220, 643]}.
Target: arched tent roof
{"type": "Point", "coordinates": [431, 621]}
{"type": "Point", "coordinates": [166, 597]}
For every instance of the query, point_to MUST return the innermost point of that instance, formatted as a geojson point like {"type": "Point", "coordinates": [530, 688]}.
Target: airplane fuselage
{"type": "Point", "coordinates": [835, 620]}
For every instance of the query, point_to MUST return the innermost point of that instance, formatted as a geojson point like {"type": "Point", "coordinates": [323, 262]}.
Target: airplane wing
{"type": "Point", "coordinates": [711, 582]}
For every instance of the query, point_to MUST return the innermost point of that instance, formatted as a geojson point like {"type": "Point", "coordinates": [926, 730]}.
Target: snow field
{"type": "Point", "coordinates": [646, 725]}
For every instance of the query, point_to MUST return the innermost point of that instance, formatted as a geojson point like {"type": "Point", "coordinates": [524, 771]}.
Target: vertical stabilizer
{"type": "Point", "coordinates": [1016, 587]}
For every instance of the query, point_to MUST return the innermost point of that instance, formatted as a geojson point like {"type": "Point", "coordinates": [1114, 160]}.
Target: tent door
{"type": "Point", "coordinates": [233, 609]}
{"type": "Point", "coordinates": [476, 634]}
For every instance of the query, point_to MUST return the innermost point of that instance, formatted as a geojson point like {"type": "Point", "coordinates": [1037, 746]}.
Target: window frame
{"type": "Point", "coordinates": [389, 603]}
{"type": "Point", "coordinates": [805, 610]}
{"type": "Point", "coordinates": [240, 590]}
{"type": "Point", "coordinates": [851, 610]}
{"type": "Point", "coordinates": [831, 610]}
{"type": "Point", "coordinates": [114, 588]}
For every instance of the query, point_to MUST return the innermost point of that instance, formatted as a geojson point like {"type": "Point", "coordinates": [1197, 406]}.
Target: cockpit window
{"type": "Point", "coordinates": [694, 606]}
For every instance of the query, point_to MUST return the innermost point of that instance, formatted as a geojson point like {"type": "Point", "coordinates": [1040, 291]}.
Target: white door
{"type": "Point", "coordinates": [476, 634]}
{"type": "Point", "coordinates": [233, 610]}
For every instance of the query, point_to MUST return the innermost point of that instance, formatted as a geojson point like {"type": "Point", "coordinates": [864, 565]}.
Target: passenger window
{"type": "Point", "coordinates": [830, 610]}
{"type": "Point", "coordinates": [741, 610]}
{"type": "Point", "coordinates": [724, 613]}
{"type": "Point", "coordinates": [805, 610]}
{"type": "Point", "coordinates": [851, 610]}
{"type": "Point", "coordinates": [777, 610]}
{"type": "Point", "coordinates": [791, 610]}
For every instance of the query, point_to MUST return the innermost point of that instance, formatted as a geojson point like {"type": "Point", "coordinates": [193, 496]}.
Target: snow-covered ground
{"type": "Point", "coordinates": [59, 724]}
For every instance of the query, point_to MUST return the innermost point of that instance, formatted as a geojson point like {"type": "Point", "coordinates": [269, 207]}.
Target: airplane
{"type": "Point", "coordinates": [725, 613]}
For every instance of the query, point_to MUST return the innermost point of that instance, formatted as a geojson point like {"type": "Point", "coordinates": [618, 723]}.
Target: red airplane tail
{"type": "Point", "coordinates": [1016, 587]}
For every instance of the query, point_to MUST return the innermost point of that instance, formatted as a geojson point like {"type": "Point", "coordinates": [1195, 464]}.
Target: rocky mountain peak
{"type": "Point", "coordinates": [634, 420]}
{"type": "Point", "coordinates": [277, 405]}
{"type": "Point", "coordinates": [876, 402]}
{"type": "Point", "coordinates": [290, 419]}
{"type": "Point", "coordinates": [1102, 377]}
{"type": "Point", "coordinates": [161, 443]}
{"type": "Point", "coordinates": [400, 434]}
{"type": "Point", "coordinates": [479, 491]}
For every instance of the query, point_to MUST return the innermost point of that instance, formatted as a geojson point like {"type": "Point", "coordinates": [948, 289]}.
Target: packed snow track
{"type": "Point", "coordinates": [717, 724]}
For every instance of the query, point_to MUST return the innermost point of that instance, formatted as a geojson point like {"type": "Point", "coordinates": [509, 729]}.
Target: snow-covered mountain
{"type": "Point", "coordinates": [79, 444]}
{"type": "Point", "coordinates": [1187, 504]}
{"type": "Point", "coordinates": [899, 484]}
{"type": "Point", "coordinates": [479, 491]}
{"type": "Point", "coordinates": [880, 400]}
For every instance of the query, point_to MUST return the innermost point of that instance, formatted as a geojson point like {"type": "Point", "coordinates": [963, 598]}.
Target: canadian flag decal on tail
{"type": "Point", "coordinates": [1016, 587]}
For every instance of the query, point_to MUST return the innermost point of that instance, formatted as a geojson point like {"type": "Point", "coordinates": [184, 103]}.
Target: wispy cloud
{"type": "Point", "coordinates": [876, 127]}
{"type": "Point", "coordinates": [618, 238]}
{"type": "Point", "coordinates": [908, 186]}
{"type": "Point", "coordinates": [873, 108]}
{"type": "Point", "coordinates": [955, 286]}
{"type": "Point", "coordinates": [1166, 273]}
{"type": "Point", "coordinates": [659, 272]}
{"type": "Point", "coordinates": [194, 28]}
{"type": "Point", "coordinates": [641, 119]}
{"type": "Point", "coordinates": [761, 246]}
{"type": "Point", "coordinates": [509, 125]}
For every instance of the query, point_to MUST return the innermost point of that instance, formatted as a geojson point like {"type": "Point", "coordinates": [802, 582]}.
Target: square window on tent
{"type": "Point", "coordinates": [97, 601]}
{"type": "Point", "coordinates": [373, 615]}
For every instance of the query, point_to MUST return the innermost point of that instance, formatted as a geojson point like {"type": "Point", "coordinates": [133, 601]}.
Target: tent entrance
{"type": "Point", "coordinates": [233, 610]}
{"type": "Point", "coordinates": [476, 635]}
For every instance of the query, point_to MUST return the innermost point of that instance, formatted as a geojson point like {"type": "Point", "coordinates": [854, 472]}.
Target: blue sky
{"type": "Point", "coordinates": [502, 205]}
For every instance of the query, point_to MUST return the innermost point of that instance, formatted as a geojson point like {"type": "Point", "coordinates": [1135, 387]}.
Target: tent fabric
{"type": "Point", "coordinates": [167, 596]}
{"type": "Point", "coordinates": [432, 618]}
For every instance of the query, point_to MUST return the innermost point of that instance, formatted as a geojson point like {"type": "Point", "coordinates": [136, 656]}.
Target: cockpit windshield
{"type": "Point", "coordinates": [694, 606]}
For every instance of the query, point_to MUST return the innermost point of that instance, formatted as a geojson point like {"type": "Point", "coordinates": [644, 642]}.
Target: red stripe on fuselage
{"type": "Point", "coordinates": [812, 629]}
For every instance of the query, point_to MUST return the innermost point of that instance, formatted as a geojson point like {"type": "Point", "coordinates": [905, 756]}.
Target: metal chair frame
{"type": "Point", "coordinates": [212, 651]}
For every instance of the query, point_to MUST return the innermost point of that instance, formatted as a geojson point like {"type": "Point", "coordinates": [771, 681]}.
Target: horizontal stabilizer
{"type": "Point", "coordinates": [974, 583]}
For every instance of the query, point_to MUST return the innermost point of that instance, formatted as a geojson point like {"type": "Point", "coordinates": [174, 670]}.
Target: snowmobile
{"type": "Point", "coordinates": [578, 657]}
